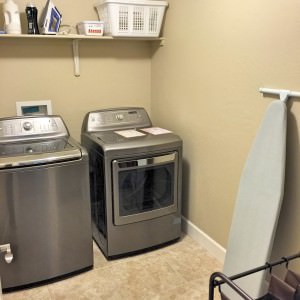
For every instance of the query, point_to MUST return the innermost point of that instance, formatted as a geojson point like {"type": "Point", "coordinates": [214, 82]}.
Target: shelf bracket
{"type": "Point", "coordinates": [76, 57]}
{"type": "Point", "coordinates": [162, 42]}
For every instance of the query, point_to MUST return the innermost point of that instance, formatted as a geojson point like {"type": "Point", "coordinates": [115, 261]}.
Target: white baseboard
{"type": "Point", "coordinates": [202, 238]}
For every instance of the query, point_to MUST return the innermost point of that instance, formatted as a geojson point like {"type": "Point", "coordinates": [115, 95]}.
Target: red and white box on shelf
{"type": "Point", "coordinates": [90, 28]}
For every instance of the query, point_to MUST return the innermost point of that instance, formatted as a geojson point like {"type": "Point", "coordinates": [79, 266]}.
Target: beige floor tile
{"type": "Point", "coordinates": [192, 262]}
{"type": "Point", "coordinates": [178, 271]}
{"type": "Point", "coordinates": [99, 259]}
{"type": "Point", "coordinates": [152, 274]}
{"type": "Point", "coordinates": [38, 293]}
{"type": "Point", "coordinates": [187, 291]}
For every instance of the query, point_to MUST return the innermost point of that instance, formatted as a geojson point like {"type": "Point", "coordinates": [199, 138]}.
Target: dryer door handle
{"type": "Point", "coordinates": [143, 162]}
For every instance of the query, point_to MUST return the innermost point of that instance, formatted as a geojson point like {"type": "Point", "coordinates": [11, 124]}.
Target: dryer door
{"type": "Point", "coordinates": [145, 188]}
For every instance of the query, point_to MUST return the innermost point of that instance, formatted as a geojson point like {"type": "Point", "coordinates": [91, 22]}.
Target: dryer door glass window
{"type": "Point", "coordinates": [145, 188]}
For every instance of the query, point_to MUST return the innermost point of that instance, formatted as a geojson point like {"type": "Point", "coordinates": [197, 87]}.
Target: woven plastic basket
{"type": "Point", "coordinates": [131, 18]}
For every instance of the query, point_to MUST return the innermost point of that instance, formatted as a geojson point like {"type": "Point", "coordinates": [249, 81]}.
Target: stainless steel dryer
{"type": "Point", "coordinates": [135, 178]}
{"type": "Point", "coordinates": [45, 223]}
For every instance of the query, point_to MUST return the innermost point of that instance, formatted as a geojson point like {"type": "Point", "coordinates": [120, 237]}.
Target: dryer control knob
{"type": "Point", "coordinates": [27, 126]}
{"type": "Point", "coordinates": [120, 117]}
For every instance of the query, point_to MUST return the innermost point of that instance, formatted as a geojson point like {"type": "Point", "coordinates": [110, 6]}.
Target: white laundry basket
{"type": "Point", "coordinates": [131, 18]}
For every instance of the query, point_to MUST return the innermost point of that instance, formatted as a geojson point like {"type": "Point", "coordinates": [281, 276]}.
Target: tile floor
{"type": "Point", "coordinates": [178, 271]}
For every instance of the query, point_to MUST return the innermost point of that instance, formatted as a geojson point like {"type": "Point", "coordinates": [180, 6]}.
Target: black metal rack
{"type": "Point", "coordinates": [223, 279]}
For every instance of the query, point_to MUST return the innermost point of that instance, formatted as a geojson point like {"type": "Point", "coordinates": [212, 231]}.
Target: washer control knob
{"type": "Point", "coordinates": [27, 126]}
{"type": "Point", "coordinates": [119, 117]}
{"type": "Point", "coordinates": [29, 150]}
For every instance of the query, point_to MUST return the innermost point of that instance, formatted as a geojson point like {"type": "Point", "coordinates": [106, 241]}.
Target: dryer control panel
{"type": "Point", "coordinates": [21, 128]}
{"type": "Point", "coordinates": [114, 119]}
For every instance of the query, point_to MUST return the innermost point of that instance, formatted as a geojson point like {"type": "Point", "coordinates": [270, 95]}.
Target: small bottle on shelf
{"type": "Point", "coordinates": [12, 24]}
{"type": "Point", "coordinates": [31, 13]}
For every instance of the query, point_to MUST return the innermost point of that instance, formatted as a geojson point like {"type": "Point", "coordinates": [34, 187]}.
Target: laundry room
{"type": "Point", "coordinates": [209, 82]}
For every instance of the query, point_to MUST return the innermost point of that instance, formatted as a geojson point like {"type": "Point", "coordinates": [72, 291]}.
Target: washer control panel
{"type": "Point", "coordinates": [33, 147]}
{"type": "Point", "coordinates": [118, 118]}
{"type": "Point", "coordinates": [26, 127]}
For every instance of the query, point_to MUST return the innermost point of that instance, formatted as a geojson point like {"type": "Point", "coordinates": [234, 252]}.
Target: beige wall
{"type": "Point", "coordinates": [113, 73]}
{"type": "Point", "coordinates": [205, 83]}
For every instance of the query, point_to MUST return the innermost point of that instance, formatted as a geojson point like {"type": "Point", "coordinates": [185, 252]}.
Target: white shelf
{"type": "Point", "coordinates": [75, 38]}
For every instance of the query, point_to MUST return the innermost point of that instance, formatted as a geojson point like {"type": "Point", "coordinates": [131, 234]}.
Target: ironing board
{"type": "Point", "coordinates": [258, 203]}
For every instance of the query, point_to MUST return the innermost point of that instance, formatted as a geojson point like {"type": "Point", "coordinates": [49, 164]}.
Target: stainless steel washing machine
{"type": "Point", "coordinates": [135, 179]}
{"type": "Point", "coordinates": [45, 220]}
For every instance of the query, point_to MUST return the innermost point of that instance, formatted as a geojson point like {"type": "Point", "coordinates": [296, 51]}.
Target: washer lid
{"type": "Point", "coordinates": [33, 140]}
{"type": "Point", "coordinates": [38, 152]}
